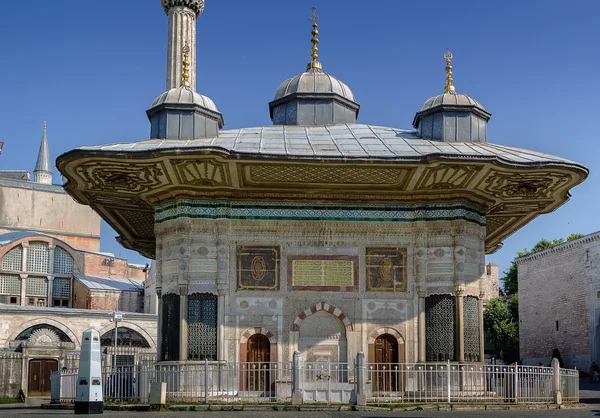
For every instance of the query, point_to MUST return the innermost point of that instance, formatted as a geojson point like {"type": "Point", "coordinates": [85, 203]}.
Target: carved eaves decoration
{"type": "Point", "coordinates": [124, 189]}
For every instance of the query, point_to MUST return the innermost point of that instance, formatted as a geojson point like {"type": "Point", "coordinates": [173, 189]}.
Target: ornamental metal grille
{"type": "Point", "coordinates": [13, 260]}
{"type": "Point", "coordinates": [126, 337]}
{"type": "Point", "coordinates": [63, 262]}
{"type": "Point", "coordinates": [38, 257]}
{"type": "Point", "coordinates": [10, 284]}
{"type": "Point", "coordinates": [61, 287]}
{"type": "Point", "coordinates": [439, 327]}
{"type": "Point", "coordinates": [202, 326]}
{"type": "Point", "coordinates": [471, 327]}
{"type": "Point", "coordinates": [170, 327]}
{"type": "Point", "coordinates": [36, 286]}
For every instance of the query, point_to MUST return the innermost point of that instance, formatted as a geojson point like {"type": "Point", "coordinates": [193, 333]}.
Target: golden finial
{"type": "Point", "coordinates": [449, 88]}
{"type": "Point", "coordinates": [185, 75]}
{"type": "Point", "coordinates": [314, 18]}
{"type": "Point", "coordinates": [44, 126]}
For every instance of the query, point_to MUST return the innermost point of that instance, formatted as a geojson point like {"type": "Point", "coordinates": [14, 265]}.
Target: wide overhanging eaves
{"type": "Point", "coordinates": [124, 187]}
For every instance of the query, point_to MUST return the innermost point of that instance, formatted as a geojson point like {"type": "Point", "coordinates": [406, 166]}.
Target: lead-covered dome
{"type": "Point", "coordinates": [450, 99]}
{"type": "Point", "coordinates": [185, 95]}
{"type": "Point", "coordinates": [313, 98]}
{"type": "Point", "coordinates": [314, 81]}
{"type": "Point", "coordinates": [181, 113]}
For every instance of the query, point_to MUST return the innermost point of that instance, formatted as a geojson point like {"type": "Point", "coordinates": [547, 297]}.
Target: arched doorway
{"type": "Point", "coordinates": [130, 344]}
{"type": "Point", "coordinates": [388, 375]}
{"type": "Point", "coordinates": [258, 357]}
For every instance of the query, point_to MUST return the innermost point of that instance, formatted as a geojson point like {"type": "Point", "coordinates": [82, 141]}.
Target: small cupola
{"type": "Point", "coordinates": [313, 97]}
{"type": "Point", "coordinates": [451, 116]}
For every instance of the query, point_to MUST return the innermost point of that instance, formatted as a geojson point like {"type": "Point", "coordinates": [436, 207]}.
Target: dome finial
{"type": "Point", "coordinates": [314, 18]}
{"type": "Point", "coordinates": [449, 88]}
{"type": "Point", "coordinates": [185, 75]}
{"type": "Point", "coordinates": [44, 126]}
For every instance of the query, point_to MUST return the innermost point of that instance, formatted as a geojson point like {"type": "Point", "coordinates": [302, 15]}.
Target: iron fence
{"type": "Point", "coordinates": [329, 382]}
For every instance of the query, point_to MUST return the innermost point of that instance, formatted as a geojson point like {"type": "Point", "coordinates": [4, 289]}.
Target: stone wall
{"type": "Point", "coordinates": [559, 304]}
{"type": "Point", "coordinates": [10, 374]}
{"type": "Point", "coordinates": [106, 300]}
{"type": "Point", "coordinates": [489, 282]}
{"type": "Point", "coordinates": [203, 256]}
{"type": "Point", "coordinates": [102, 265]}
{"type": "Point", "coordinates": [48, 209]}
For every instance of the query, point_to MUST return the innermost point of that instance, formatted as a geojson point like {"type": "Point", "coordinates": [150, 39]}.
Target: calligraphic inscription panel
{"type": "Point", "coordinates": [386, 269]}
{"type": "Point", "coordinates": [258, 268]}
{"type": "Point", "coordinates": [337, 273]}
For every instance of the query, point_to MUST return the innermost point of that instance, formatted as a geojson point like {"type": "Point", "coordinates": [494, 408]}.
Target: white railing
{"type": "Point", "coordinates": [222, 382]}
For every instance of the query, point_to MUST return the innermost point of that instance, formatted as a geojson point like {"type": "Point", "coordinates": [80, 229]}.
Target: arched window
{"type": "Point", "coordinates": [26, 334]}
{"type": "Point", "coordinates": [37, 275]}
{"type": "Point", "coordinates": [126, 337]}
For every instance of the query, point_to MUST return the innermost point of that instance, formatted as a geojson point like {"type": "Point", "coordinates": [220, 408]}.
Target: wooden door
{"type": "Point", "coordinates": [388, 375]}
{"type": "Point", "coordinates": [39, 376]}
{"type": "Point", "coordinates": [258, 357]}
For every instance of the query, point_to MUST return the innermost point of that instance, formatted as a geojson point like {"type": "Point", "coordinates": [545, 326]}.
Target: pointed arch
{"type": "Point", "coordinates": [322, 306]}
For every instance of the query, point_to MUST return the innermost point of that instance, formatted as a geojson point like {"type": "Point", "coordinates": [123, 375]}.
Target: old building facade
{"type": "Point", "coordinates": [317, 234]}
{"type": "Point", "coordinates": [54, 284]}
{"type": "Point", "coordinates": [567, 279]}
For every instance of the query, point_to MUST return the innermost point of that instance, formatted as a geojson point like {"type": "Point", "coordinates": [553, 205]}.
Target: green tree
{"type": "Point", "coordinates": [503, 327]}
{"type": "Point", "coordinates": [574, 236]}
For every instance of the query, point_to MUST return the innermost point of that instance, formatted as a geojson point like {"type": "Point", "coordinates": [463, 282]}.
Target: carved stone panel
{"type": "Point", "coordinates": [386, 269]}
{"type": "Point", "coordinates": [258, 268]}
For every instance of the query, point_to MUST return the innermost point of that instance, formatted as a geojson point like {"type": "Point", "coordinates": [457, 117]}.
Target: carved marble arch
{"type": "Point", "coordinates": [257, 330]}
{"type": "Point", "coordinates": [322, 306]}
{"type": "Point", "coordinates": [385, 330]}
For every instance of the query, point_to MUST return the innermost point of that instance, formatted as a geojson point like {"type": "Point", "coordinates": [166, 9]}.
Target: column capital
{"type": "Point", "coordinates": [421, 291]}
{"type": "Point", "coordinates": [159, 291]}
{"type": "Point", "coordinates": [183, 290]}
{"type": "Point", "coordinates": [459, 290]}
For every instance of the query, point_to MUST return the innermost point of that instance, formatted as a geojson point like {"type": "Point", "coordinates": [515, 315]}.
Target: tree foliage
{"type": "Point", "coordinates": [502, 325]}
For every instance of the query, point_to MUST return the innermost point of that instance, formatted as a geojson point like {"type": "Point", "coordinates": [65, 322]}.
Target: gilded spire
{"type": "Point", "coordinates": [314, 18]}
{"type": "Point", "coordinates": [449, 88]}
{"type": "Point", "coordinates": [185, 75]}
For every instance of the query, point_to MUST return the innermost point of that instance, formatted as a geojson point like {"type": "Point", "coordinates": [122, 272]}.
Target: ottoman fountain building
{"type": "Point", "coordinates": [317, 233]}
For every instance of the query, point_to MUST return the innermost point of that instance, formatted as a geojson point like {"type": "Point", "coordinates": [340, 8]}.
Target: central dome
{"type": "Point", "coordinates": [314, 81]}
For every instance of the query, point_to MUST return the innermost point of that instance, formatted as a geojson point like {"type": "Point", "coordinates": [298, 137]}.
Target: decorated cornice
{"type": "Point", "coordinates": [126, 187]}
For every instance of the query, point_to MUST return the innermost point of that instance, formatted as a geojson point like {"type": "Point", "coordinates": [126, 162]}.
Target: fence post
{"type": "Point", "coordinates": [448, 379]}
{"type": "Point", "coordinates": [297, 366]}
{"type": "Point", "coordinates": [556, 386]}
{"type": "Point", "coordinates": [516, 380]}
{"type": "Point", "coordinates": [360, 379]}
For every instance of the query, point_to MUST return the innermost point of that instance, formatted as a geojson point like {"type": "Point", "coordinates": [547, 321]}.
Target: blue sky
{"type": "Point", "coordinates": [91, 69]}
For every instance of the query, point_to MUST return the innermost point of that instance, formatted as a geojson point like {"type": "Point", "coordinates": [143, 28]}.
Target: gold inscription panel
{"type": "Point", "coordinates": [322, 273]}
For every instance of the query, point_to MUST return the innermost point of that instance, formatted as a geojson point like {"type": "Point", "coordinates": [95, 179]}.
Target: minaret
{"type": "Point", "coordinates": [181, 112]}
{"type": "Point", "coordinates": [182, 30]}
{"type": "Point", "coordinates": [43, 171]}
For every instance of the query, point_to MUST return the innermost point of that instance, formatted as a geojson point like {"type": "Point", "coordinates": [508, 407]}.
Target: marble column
{"type": "Point", "coordinates": [183, 322]}
{"type": "Point", "coordinates": [460, 325]}
{"type": "Point", "coordinates": [182, 30]}
{"type": "Point", "coordinates": [222, 283]}
{"type": "Point", "coordinates": [421, 324]}
{"type": "Point", "coordinates": [159, 325]}
{"type": "Point", "coordinates": [481, 330]}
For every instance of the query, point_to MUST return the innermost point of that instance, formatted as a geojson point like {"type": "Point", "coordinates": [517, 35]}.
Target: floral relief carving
{"type": "Point", "coordinates": [125, 177]}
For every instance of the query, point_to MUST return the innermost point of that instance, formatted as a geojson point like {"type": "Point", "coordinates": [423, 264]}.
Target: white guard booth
{"type": "Point", "coordinates": [89, 398]}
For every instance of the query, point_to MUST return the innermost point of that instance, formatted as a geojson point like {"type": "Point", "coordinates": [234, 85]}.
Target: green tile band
{"type": "Point", "coordinates": [197, 209]}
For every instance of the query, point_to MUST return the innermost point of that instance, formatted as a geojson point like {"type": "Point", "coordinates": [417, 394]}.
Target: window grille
{"type": "Point", "coordinates": [61, 287]}
{"type": "Point", "coordinates": [63, 262]}
{"type": "Point", "coordinates": [170, 327]}
{"type": "Point", "coordinates": [439, 328]}
{"type": "Point", "coordinates": [10, 284]}
{"type": "Point", "coordinates": [202, 326]}
{"type": "Point", "coordinates": [38, 257]}
{"type": "Point", "coordinates": [471, 327]}
{"type": "Point", "coordinates": [13, 259]}
{"type": "Point", "coordinates": [36, 286]}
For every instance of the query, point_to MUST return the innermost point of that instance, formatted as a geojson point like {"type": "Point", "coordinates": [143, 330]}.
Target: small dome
{"type": "Point", "coordinates": [450, 99]}
{"type": "Point", "coordinates": [184, 95]}
{"type": "Point", "coordinates": [314, 81]}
